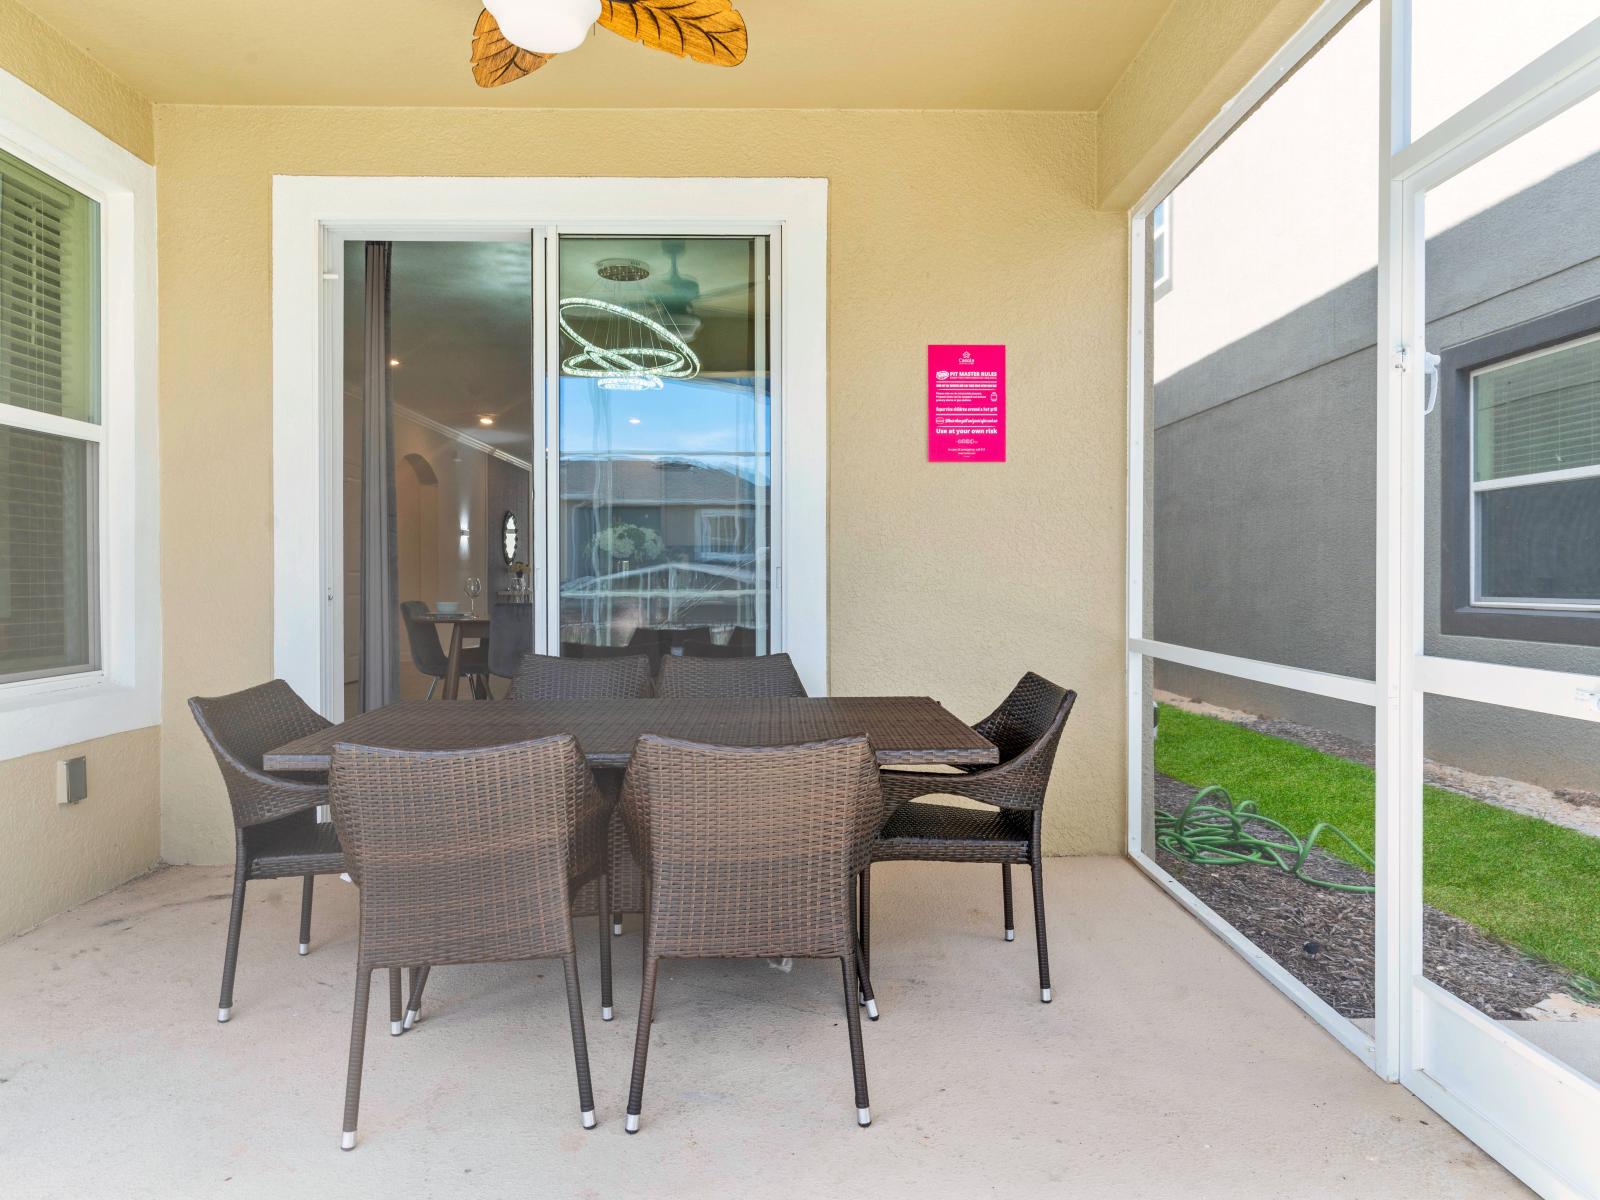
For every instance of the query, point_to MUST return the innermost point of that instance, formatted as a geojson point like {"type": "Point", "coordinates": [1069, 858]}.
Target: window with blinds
{"type": "Point", "coordinates": [49, 416]}
{"type": "Point", "coordinates": [1536, 478]}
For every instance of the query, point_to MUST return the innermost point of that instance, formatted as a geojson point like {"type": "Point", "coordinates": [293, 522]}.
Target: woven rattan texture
{"type": "Point", "coordinates": [751, 852]}
{"type": "Point", "coordinates": [546, 677]}
{"type": "Point", "coordinates": [902, 729]}
{"type": "Point", "coordinates": [768, 677]}
{"type": "Point", "coordinates": [467, 857]}
{"type": "Point", "coordinates": [240, 729]}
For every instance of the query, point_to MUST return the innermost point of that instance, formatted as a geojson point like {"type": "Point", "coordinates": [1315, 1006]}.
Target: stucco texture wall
{"type": "Point", "coordinates": [53, 857]}
{"type": "Point", "coordinates": [948, 580]}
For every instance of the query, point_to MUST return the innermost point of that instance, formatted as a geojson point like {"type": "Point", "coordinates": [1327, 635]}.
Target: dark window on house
{"type": "Point", "coordinates": [1521, 472]}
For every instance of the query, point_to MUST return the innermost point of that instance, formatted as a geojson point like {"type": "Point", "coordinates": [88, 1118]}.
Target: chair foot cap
{"type": "Point", "coordinates": [632, 1123]}
{"type": "Point", "coordinates": [1011, 935]}
{"type": "Point", "coordinates": [616, 929]}
{"type": "Point", "coordinates": [606, 1014]}
{"type": "Point", "coordinates": [411, 1019]}
{"type": "Point", "coordinates": [348, 1142]}
{"type": "Point", "coordinates": [872, 1010]}
{"type": "Point", "coordinates": [1044, 995]}
{"type": "Point", "coordinates": [305, 949]}
{"type": "Point", "coordinates": [345, 875]}
{"type": "Point", "coordinates": [588, 1118]}
{"type": "Point", "coordinates": [396, 1028]}
{"type": "Point", "coordinates": [223, 1014]}
{"type": "Point", "coordinates": [863, 1117]}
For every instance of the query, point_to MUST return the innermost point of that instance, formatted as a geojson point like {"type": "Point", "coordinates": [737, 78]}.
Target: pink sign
{"type": "Point", "coordinates": [966, 404]}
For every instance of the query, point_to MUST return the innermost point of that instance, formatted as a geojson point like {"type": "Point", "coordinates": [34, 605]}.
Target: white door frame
{"type": "Point", "coordinates": [314, 215]}
{"type": "Point", "coordinates": [1531, 1111]}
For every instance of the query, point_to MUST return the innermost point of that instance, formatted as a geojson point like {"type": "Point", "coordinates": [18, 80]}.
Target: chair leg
{"type": "Point", "coordinates": [396, 1013]}
{"type": "Point", "coordinates": [1005, 888]}
{"type": "Point", "coordinates": [305, 915]}
{"type": "Point", "coordinates": [1036, 869]}
{"type": "Point", "coordinates": [864, 910]}
{"type": "Point", "coordinates": [419, 980]}
{"type": "Point", "coordinates": [641, 1041]}
{"type": "Point", "coordinates": [858, 1058]}
{"type": "Point", "coordinates": [358, 1046]}
{"type": "Point", "coordinates": [230, 956]}
{"type": "Point", "coordinates": [580, 1044]}
{"type": "Point", "coordinates": [432, 683]}
{"type": "Point", "coordinates": [606, 1012]}
{"type": "Point", "coordinates": [863, 922]}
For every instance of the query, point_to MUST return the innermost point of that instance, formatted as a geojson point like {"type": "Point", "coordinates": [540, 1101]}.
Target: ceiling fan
{"type": "Point", "coordinates": [514, 38]}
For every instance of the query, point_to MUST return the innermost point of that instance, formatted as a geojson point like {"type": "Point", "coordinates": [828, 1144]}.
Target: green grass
{"type": "Point", "coordinates": [1523, 880]}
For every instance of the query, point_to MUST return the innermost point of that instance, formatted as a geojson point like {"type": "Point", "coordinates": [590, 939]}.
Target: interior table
{"type": "Point", "coordinates": [903, 730]}
{"type": "Point", "coordinates": [462, 625]}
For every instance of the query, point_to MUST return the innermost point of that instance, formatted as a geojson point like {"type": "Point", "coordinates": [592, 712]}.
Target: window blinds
{"type": "Point", "coordinates": [1539, 414]}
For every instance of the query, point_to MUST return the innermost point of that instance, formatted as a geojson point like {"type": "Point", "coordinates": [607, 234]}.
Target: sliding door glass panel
{"type": "Point", "coordinates": [1511, 852]}
{"type": "Point", "coordinates": [1263, 502]}
{"type": "Point", "coordinates": [1513, 442]}
{"type": "Point", "coordinates": [1460, 49]}
{"type": "Point", "coordinates": [1269, 822]}
{"type": "Point", "coordinates": [665, 445]}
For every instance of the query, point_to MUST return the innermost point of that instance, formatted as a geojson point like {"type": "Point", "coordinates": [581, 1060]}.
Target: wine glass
{"type": "Point", "coordinates": [474, 588]}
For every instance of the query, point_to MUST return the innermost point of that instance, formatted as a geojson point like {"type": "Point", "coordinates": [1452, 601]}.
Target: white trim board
{"type": "Point", "coordinates": [313, 215]}
{"type": "Point", "coordinates": [125, 692]}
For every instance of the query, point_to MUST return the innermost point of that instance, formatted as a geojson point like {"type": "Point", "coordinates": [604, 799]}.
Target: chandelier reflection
{"type": "Point", "coordinates": [628, 340]}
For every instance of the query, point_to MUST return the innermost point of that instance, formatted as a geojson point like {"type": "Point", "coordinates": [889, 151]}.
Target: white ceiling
{"type": "Point", "coordinates": [1046, 54]}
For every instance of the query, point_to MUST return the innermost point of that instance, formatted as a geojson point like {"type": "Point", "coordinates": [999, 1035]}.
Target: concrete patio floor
{"type": "Point", "coordinates": [1165, 1067]}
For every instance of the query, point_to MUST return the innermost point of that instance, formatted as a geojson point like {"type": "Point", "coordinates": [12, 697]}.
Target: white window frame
{"type": "Point", "coordinates": [1478, 487]}
{"type": "Point", "coordinates": [1161, 247]}
{"type": "Point", "coordinates": [703, 519]}
{"type": "Point", "coordinates": [124, 691]}
{"type": "Point", "coordinates": [314, 215]}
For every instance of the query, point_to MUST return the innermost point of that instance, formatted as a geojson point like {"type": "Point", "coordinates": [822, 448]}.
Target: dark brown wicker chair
{"type": "Point", "coordinates": [751, 853]}
{"type": "Point", "coordinates": [545, 677]}
{"type": "Point", "coordinates": [542, 677]}
{"type": "Point", "coordinates": [276, 834]}
{"type": "Point", "coordinates": [1027, 729]}
{"type": "Point", "coordinates": [467, 857]}
{"type": "Point", "coordinates": [768, 677]}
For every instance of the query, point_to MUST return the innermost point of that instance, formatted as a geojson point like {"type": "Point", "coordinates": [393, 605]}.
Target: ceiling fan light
{"type": "Point", "coordinates": [545, 26]}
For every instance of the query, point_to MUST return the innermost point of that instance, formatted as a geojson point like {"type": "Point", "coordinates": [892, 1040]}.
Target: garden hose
{"type": "Point", "coordinates": [1213, 833]}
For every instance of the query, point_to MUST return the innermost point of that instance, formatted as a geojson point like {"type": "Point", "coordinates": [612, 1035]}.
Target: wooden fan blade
{"type": "Point", "coordinates": [495, 60]}
{"type": "Point", "coordinates": [708, 31]}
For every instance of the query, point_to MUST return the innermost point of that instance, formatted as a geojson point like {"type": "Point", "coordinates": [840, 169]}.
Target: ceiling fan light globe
{"type": "Point", "coordinates": [545, 26]}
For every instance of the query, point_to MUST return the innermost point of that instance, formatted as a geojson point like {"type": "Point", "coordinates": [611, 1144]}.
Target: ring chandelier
{"type": "Point", "coordinates": [633, 368]}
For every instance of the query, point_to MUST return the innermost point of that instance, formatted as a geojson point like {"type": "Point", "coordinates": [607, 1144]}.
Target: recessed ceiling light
{"type": "Point", "coordinates": [485, 419]}
{"type": "Point", "coordinates": [394, 362]}
{"type": "Point", "coordinates": [633, 420]}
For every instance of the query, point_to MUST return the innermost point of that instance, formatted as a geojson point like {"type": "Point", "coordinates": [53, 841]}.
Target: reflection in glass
{"type": "Point", "coordinates": [665, 445]}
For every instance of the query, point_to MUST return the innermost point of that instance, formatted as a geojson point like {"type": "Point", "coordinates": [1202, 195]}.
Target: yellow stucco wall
{"type": "Point", "coordinates": [944, 579]}
{"type": "Point", "coordinates": [53, 857]}
{"type": "Point", "coordinates": [1197, 59]}
{"type": "Point", "coordinates": [43, 59]}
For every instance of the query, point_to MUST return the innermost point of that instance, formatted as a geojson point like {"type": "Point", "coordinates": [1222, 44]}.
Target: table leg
{"type": "Point", "coordinates": [452, 671]}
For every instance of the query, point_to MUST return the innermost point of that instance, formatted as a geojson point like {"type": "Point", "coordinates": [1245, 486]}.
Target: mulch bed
{"type": "Point", "coordinates": [1324, 938]}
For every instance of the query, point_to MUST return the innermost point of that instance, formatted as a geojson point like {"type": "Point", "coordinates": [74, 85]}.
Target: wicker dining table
{"type": "Point", "coordinates": [903, 730]}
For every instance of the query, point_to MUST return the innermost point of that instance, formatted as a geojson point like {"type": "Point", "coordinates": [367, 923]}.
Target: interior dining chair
{"type": "Point", "coordinates": [276, 834]}
{"type": "Point", "coordinates": [767, 677]}
{"type": "Point", "coordinates": [468, 856]}
{"type": "Point", "coordinates": [1009, 828]}
{"type": "Point", "coordinates": [706, 822]}
{"type": "Point", "coordinates": [613, 677]}
{"type": "Point", "coordinates": [429, 657]}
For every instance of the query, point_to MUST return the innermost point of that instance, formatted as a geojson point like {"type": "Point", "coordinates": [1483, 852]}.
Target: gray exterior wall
{"type": "Point", "coordinates": [1264, 491]}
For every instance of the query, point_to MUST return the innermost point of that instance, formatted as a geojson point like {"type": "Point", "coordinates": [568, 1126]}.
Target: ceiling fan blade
{"type": "Point", "coordinates": [495, 60]}
{"type": "Point", "coordinates": [708, 31]}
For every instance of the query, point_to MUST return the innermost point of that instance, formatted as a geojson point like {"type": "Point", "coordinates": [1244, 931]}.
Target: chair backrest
{"type": "Point", "coordinates": [510, 637]}
{"type": "Point", "coordinates": [240, 728]}
{"type": "Point", "coordinates": [1027, 729]}
{"type": "Point", "coordinates": [751, 852]}
{"type": "Point", "coordinates": [769, 677]}
{"type": "Point", "coordinates": [427, 654]}
{"type": "Point", "coordinates": [544, 677]}
{"type": "Point", "coordinates": [462, 856]}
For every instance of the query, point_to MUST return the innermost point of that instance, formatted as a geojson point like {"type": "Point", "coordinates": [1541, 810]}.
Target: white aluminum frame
{"type": "Point", "coordinates": [124, 691]}
{"type": "Point", "coordinates": [1532, 1112]}
{"type": "Point", "coordinates": [314, 215]}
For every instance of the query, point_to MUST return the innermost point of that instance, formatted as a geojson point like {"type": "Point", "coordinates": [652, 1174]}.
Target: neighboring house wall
{"type": "Point", "coordinates": [52, 857]}
{"type": "Point", "coordinates": [1265, 464]}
